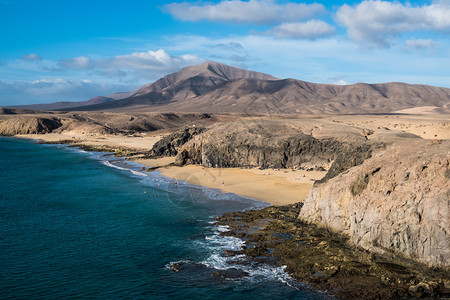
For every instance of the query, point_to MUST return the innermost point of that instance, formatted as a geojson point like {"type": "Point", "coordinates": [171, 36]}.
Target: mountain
{"type": "Point", "coordinates": [180, 87]}
{"type": "Point", "coordinates": [63, 105]}
{"type": "Point", "coordinates": [214, 87]}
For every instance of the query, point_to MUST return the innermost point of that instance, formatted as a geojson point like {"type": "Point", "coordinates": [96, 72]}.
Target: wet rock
{"type": "Point", "coordinates": [201, 270]}
{"type": "Point", "coordinates": [231, 273]}
{"type": "Point", "coordinates": [327, 260]}
{"type": "Point", "coordinates": [176, 266]}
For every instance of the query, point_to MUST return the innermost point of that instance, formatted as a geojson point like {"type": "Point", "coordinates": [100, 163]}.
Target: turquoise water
{"type": "Point", "coordinates": [86, 225]}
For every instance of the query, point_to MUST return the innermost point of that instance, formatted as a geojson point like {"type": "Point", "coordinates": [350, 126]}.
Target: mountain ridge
{"type": "Point", "coordinates": [216, 88]}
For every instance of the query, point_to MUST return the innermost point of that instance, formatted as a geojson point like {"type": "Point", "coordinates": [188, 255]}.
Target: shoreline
{"type": "Point", "coordinates": [276, 187]}
{"type": "Point", "coordinates": [273, 186]}
{"type": "Point", "coordinates": [326, 260]}
{"type": "Point", "coordinates": [263, 185]}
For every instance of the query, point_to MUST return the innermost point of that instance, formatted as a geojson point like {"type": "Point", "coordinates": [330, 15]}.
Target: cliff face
{"type": "Point", "coordinates": [29, 125]}
{"type": "Point", "coordinates": [168, 145]}
{"type": "Point", "coordinates": [255, 144]}
{"type": "Point", "coordinates": [397, 201]}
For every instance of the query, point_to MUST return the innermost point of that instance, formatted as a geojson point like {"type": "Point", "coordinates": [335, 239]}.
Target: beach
{"type": "Point", "coordinates": [274, 186]}
{"type": "Point", "coordinates": [277, 187]}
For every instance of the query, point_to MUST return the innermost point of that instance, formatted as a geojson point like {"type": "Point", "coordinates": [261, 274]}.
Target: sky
{"type": "Point", "coordinates": [74, 50]}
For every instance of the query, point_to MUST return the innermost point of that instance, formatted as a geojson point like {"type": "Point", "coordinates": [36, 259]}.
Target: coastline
{"type": "Point", "coordinates": [275, 233]}
{"type": "Point", "coordinates": [277, 187]}
{"type": "Point", "coordinates": [273, 186]}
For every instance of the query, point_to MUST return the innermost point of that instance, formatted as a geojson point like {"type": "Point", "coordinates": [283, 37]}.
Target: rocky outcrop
{"type": "Point", "coordinates": [169, 145]}
{"type": "Point", "coordinates": [266, 145]}
{"type": "Point", "coordinates": [28, 125]}
{"type": "Point", "coordinates": [348, 158]}
{"type": "Point", "coordinates": [325, 259]}
{"type": "Point", "coordinates": [397, 201]}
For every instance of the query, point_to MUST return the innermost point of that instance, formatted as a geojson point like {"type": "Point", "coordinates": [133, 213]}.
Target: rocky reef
{"type": "Point", "coordinates": [395, 202]}
{"type": "Point", "coordinates": [328, 260]}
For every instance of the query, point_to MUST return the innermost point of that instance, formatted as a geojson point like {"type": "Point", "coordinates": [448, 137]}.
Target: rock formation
{"type": "Point", "coordinates": [397, 201]}
{"type": "Point", "coordinates": [248, 143]}
{"type": "Point", "coordinates": [168, 145]}
{"type": "Point", "coordinates": [28, 125]}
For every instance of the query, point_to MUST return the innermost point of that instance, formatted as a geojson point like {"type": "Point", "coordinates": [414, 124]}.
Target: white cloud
{"type": "Point", "coordinates": [326, 60]}
{"type": "Point", "coordinates": [341, 82]}
{"type": "Point", "coordinates": [147, 64]}
{"type": "Point", "coordinates": [253, 11]}
{"type": "Point", "coordinates": [77, 63]}
{"type": "Point", "coordinates": [31, 57]}
{"type": "Point", "coordinates": [158, 60]}
{"type": "Point", "coordinates": [420, 43]}
{"type": "Point", "coordinates": [230, 46]}
{"type": "Point", "coordinates": [307, 30]}
{"type": "Point", "coordinates": [123, 72]}
{"type": "Point", "coordinates": [379, 22]}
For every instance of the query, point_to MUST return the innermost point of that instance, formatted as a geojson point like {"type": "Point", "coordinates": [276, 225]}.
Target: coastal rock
{"type": "Point", "coordinates": [326, 260]}
{"type": "Point", "coordinates": [397, 201]}
{"type": "Point", "coordinates": [254, 144]}
{"type": "Point", "coordinates": [169, 145]}
{"type": "Point", "coordinates": [29, 125]}
{"type": "Point", "coordinates": [231, 273]}
{"type": "Point", "coordinates": [203, 270]}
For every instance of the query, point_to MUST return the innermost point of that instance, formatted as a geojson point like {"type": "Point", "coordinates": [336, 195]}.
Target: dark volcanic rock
{"type": "Point", "coordinates": [348, 158]}
{"type": "Point", "coordinates": [326, 259]}
{"type": "Point", "coordinates": [169, 145]}
{"type": "Point", "coordinates": [231, 273]}
{"type": "Point", "coordinates": [257, 146]}
{"type": "Point", "coordinates": [273, 146]}
{"type": "Point", "coordinates": [201, 270]}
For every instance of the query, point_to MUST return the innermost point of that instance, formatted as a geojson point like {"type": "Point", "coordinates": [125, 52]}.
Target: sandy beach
{"type": "Point", "coordinates": [272, 186]}
{"type": "Point", "coordinates": [275, 187]}
{"type": "Point", "coordinates": [142, 142]}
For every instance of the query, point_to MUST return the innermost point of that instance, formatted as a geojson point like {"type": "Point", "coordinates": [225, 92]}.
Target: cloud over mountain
{"type": "Point", "coordinates": [151, 61]}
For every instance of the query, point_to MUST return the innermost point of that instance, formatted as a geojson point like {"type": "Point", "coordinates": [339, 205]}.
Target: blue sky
{"type": "Point", "coordinates": [75, 50]}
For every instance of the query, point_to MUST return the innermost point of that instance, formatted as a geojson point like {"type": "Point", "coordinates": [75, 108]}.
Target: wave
{"type": "Point", "coordinates": [137, 173]}
{"type": "Point", "coordinates": [258, 272]}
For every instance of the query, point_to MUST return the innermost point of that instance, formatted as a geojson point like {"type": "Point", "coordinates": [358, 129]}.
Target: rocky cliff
{"type": "Point", "coordinates": [29, 125]}
{"type": "Point", "coordinates": [397, 201]}
{"type": "Point", "coordinates": [168, 145]}
{"type": "Point", "coordinates": [254, 144]}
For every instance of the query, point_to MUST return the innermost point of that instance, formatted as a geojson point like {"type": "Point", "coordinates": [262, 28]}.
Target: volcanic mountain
{"type": "Point", "coordinates": [214, 87]}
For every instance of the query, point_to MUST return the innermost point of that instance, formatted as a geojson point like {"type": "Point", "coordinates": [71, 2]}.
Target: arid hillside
{"type": "Point", "coordinates": [216, 88]}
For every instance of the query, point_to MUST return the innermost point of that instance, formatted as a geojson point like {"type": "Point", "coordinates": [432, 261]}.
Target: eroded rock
{"type": "Point", "coordinates": [29, 125]}
{"type": "Point", "coordinates": [397, 201]}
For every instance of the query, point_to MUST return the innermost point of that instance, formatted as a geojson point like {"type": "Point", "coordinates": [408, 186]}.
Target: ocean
{"type": "Point", "coordinates": [76, 224]}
